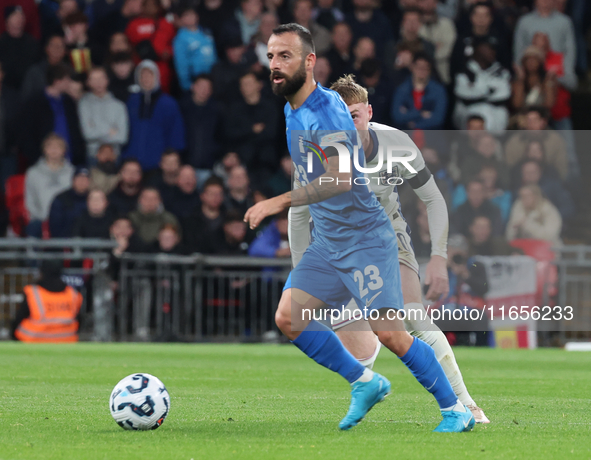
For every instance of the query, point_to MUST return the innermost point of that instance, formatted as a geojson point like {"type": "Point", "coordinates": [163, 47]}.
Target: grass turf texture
{"type": "Point", "coordinates": [271, 402]}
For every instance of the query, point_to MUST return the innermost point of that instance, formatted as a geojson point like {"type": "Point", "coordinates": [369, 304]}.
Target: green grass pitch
{"type": "Point", "coordinates": [271, 402]}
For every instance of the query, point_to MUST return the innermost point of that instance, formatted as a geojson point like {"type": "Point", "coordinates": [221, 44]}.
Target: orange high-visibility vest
{"type": "Point", "coordinates": [53, 315]}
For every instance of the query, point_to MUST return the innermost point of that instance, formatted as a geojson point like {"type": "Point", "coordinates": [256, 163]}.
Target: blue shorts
{"type": "Point", "coordinates": [370, 274]}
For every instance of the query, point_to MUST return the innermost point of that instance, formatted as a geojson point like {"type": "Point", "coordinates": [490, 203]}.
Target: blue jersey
{"type": "Point", "coordinates": [344, 220]}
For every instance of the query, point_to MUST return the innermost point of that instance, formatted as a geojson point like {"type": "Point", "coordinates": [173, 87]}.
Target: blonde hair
{"type": "Point", "coordinates": [351, 91]}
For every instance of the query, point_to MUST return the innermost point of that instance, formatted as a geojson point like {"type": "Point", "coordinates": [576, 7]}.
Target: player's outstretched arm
{"type": "Point", "coordinates": [436, 272]}
{"type": "Point", "coordinates": [332, 183]}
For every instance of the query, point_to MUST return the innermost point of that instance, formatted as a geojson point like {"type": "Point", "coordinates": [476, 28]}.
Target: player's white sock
{"type": "Point", "coordinates": [366, 376]}
{"type": "Point", "coordinates": [368, 362]}
{"type": "Point", "coordinates": [457, 407]}
{"type": "Point", "coordinates": [432, 335]}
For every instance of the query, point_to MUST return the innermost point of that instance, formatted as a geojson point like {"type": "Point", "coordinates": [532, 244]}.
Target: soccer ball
{"type": "Point", "coordinates": [139, 402]}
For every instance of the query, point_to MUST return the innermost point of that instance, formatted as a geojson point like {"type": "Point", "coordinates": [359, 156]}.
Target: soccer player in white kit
{"type": "Point", "coordinates": [356, 335]}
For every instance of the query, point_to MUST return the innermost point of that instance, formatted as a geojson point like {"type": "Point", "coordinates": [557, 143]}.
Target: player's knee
{"type": "Point", "coordinates": [283, 313]}
{"type": "Point", "coordinates": [397, 341]}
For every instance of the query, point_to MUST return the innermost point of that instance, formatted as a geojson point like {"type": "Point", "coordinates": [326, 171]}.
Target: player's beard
{"type": "Point", "coordinates": [290, 85]}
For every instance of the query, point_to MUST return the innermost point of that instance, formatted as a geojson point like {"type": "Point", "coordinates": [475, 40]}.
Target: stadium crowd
{"type": "Point", "coordinates": [151, 122]}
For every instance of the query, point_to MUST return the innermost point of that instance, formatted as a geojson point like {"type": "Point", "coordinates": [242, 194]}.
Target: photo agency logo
{"type": "Point", "coordinates": [382, 169]}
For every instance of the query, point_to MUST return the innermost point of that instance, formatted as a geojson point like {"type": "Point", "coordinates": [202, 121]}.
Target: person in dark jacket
{"type": "Point", "coordinates": [96, 221]}
{"type": "Point", "coordinates": [9, 111]}
{"type": "Point", "coordinates": [165, 178]}
{"type": "Point", "coordinates": [232, 240]}
{"type": "Point", "coordinates": [69, 205]}
{"type": "Point", "coordinates": [36, 77]}
{"type": "Point", "coordinates": [203, 117]}
{"type": "Point", "coordinates": [272, 241]}
{"type": "Point", "coordinates": [169, 241]}
{"type": "Point", "coordinates": [476, 205]}
{"type": "Point", "coordinates": [155, 120]}
{"type": "Point", "coordinates": [120, 71]}
{"type": "Point", "coordinates": [124, 198]}
{"type": "Point", "coordinates": [52, 111]}
{"type": "Point", "coordinates": [18, 50]}
{"type": "Point", "coordinates": [115, 21]}
{"type": "Point", "coordinates": [250, 127]}
{"type": "Point", "coordinates": [420, 102]}
{"type": "Point", "coordinates": [185, 197]}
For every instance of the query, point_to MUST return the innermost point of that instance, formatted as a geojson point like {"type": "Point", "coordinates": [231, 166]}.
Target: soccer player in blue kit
{"type": "Point", "coordinates": [354, 248]}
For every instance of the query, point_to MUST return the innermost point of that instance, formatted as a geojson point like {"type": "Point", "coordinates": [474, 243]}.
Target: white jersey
{"type": "Point", "coordinates": [384, 181]}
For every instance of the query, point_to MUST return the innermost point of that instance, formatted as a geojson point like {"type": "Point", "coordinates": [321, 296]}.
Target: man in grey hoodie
{"type": "Point", "coordinates": [51, 175]}
{"type": "Point", "coordinates": [103, 118]}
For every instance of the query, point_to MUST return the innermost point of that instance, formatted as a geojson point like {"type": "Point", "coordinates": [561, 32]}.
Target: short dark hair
{"type": "Point", "coordinates": [475, 117]}
{"type": "Point", "coordinates": [370, 67]}
{"type": "Point", "coordinates": [473, 7]}
{"type": "Point", "coordinates": [233, 216]}
{"type": "Point", "coordinates": [77, 17]}
{"type": "Point", "coordinates": [422, 56]}
{"type": "Point", "coordinates": [412, 10]}
{"type": "Point", "coordinates": [170, 151]}
{"type": "Point", "coordinates": [130, 160]}
{"type": "Point", "coordinates": [121, 56]}
{"type": "Point", "coordinates": [541, 111]}
{"type": "Point", "coordinates": [304, 34]}
{"type": "Point", "coordinates": [202, 76]}
{"type": "Point", "coordinates": [213, 180]}
{"type": "Point", "coordinates": [57, 72]}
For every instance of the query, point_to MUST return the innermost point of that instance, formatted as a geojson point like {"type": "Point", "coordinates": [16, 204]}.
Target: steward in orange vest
{"type": "Point", "coordinates": [50, 310]}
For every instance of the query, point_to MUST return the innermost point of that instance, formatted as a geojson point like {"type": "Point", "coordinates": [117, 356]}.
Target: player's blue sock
{"type": "Point", "coordinates": [323, 346]}
{"type": "Point", "coordinates": [421, 361]}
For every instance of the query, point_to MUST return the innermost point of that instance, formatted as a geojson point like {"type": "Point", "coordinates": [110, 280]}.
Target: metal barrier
{"type": "Point", "coordinates": [88, 260]}
{"type": "Point", "coordinates": [195, 298]}
{"type": "Point", "coordinates": [574, 288]}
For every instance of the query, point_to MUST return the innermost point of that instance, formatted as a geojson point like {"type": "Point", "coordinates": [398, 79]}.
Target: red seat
{"type": "Point", "coordinates": [15, 203]}
{"type": "Point", "coordinates": [546, 271]}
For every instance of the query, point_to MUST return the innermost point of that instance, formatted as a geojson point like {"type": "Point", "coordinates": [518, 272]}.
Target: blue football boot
{"type": "Point", "coordinates": [456, 422]}
{"type": "Point", "coordinates": [364, 396]}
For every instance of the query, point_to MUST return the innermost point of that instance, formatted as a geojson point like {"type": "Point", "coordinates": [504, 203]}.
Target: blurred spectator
{"type": "Point", "coordinates": [536, 124]}
{"type": "Point", "coordinates": [339, 55]}
{"type": "Point", "coordinates": [364, 48]}
{"type": "Point", "coordinates": [51, 175]}
{"type": "Point", "coordinates": [155, 119]}
{"type": "Point", "coordinates": [245, 22]}
{"type": "Point", "coordinates": [441, 32]}
{"type": "Point", "coordinates": [119, 43]}
{"type": "Point", "coordinates": [227, 72]}
{"type": "Point", "coordinates": [476, 205]}
{"type": "Point", "coordinates": [489, 175]}
{"type": "Point", "coordinates": [35, 79]}
{"type": "Point", "coordinates": [554, 63]}
{"type": "Point", "coordinates": [52, 111]}
{"type": "Point", "coordinates": [378, 88]}
{"type": "Point", "coordinates": [483, 88]}
{"type": "Point", "coordinates": [281, 8]}
{"type": "Point", "coordinates": [30, 10]}
{"type": "Point", "coordinates": [194, 49]}
{"type": "Point", "coordinates": [169, 241]}
{"type": "Point", "coordinates": [409, 34]}
{"type": "Point", "coordinates": [151, 36]}
{"type": "Point", "coordinates": [122, 232]}
{"type": "Point", "coordinates": [232, 241]}
{"type": "Point", "coordinates": [239, 197]}
{"type": "Point", "coordinates": [280, 182]}
{"type": "Point", "coordinates": [420, 102]}
{"type": "Point", "coordinates": [557, 26]}
{"type": "Point", "coordinates": [116, 21]}
{"type": "Point", "coordinates": [68, 205]}
{"type": "Point", "coordinates": [124, 198]}
{"type": "Point", "coordinates": [487, 150]}
{"type": "Point", "coordinates": [532, 173]}
{"type": "Point", "coordinates": [442, 177]}
{"type": "Point", "coordinates": [268, 22]}
{"type": "Point", "coordinates": [421, 240]}
{"type": "Point", "coordinates": [103, 118]}
{"type": "Point", "coordinates": [150, 216]}
{"type": "Point", "coordinates": [399, 71]}
{"type": "Point", "coordinates": [166, 177]}
{"type": "Point", "coordinates": [96, 220]}
{"type": "Point", "coordinates": [121, 78]}
{"type": "Point", "coordinates": [83, 51]}
{"type": "Point", "coordinates": [222, 168]}
{"type": "Point", "coordinates": [302, 14]}
{"type": "Point", "coordinates": [185, 197]}
{"type": "Point", "coordinates": [532, 85]}
{"type": "Point", "coordinates": [53, 15]}
{"type": "Point", "coordinates": [213, 15]}
{"type": "Point", "coordinates": [272, 241]}
{"type": "Point", "coordinates": [481, 29]}
{"type": "Point", "coordinates": [9, 111]}
{"type": "Point", "coordinates": [250, 128]}
{"type": "Point", "coordinates": [483, 242]}
{"type": "Point", "coordinates": [205, 223]}
{"type": "Point", "coordinates": [104, 174]}
{"type": "Point", "coordinates": [326, 14]}
{"type": "Point", "coordinates": [367, 20]}
{"type": "Point", "coordinates": [203, 120]}
{"type": "Point", "coordinates": [322, 71]}
{"type": "Point", "coordinates": [76, 88]}
{"type": "Point", "coordinates": [533, 216]}
{"type": "Point", "coordinates": [18, 50]}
